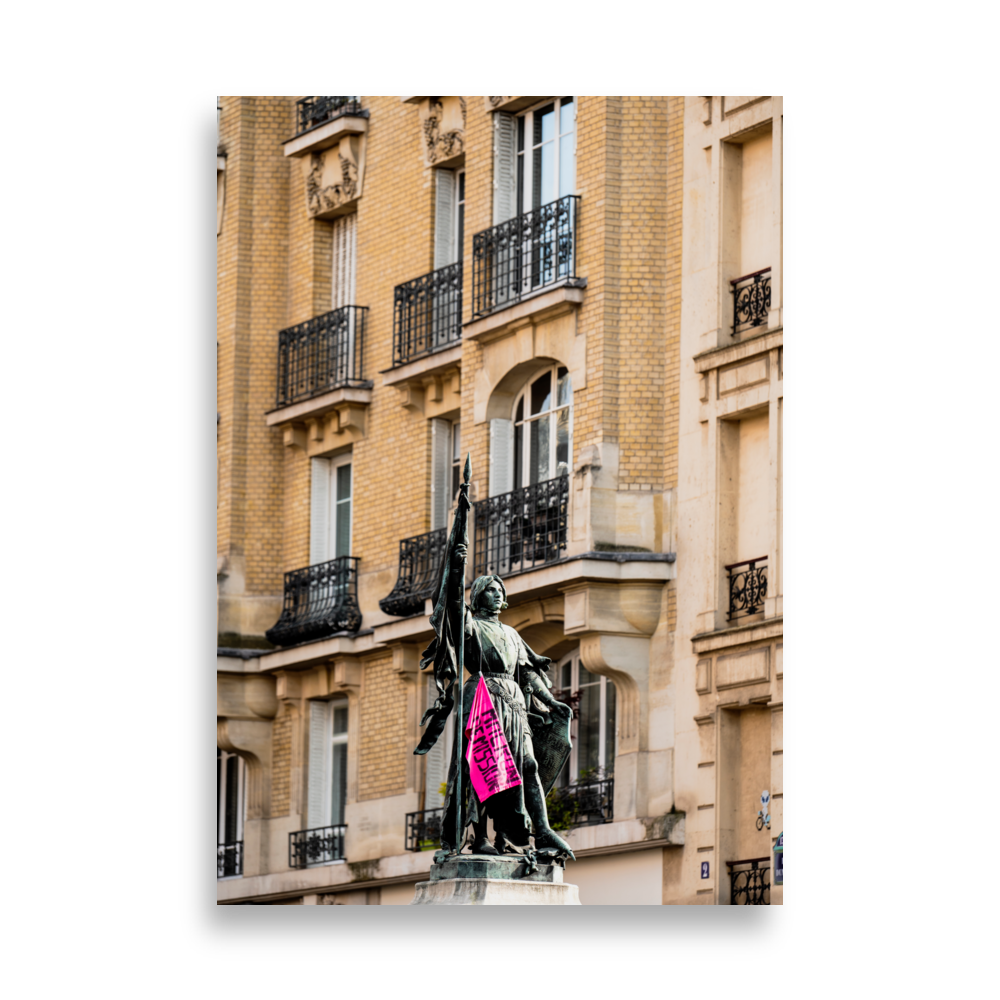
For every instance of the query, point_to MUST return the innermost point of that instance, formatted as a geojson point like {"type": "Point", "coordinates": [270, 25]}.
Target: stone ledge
{"type": "Point", "coordinates": [319, 405]}
{"type": "Point", "coordinates": [717, 357]}
{"type": "Point", "coordinates": [324, 136]}
{"type": "Point", "coordinates": [546, 303]}
{"type": "Point", "coordinates": [426, 364]}
{"type": "Point", "coordinates": [708, 642]}
{"type": "Point", "coordinates": [494, 892]}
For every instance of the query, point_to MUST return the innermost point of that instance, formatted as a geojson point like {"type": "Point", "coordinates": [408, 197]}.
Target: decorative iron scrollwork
{"type": "Point", "coordinates": [317, 846]}
{"type": "Point", "coordinates": [522, 529]}
{"type": "Point", "coordinates": [230, 859]}
{"type": "Point", "coordinates": [423, 829]}
{"type": "Point", "coordinates": [421, 560]}
{"type": "Point", "coordinates": [314, 111]}
{"type": "Point", "coordinates": [748, 882]}
{"type": "Point", "coordinates": [321, 354]}
{"type": "Point", "coordinates": [319, 601]}
{"type": "Point", "coordinates": [523, 254]}
{"type": "Point", "coordinates": [751, 300]}
{"type": "Point", "coordinates": [747, 587]}
{"type": "Point", "coordinates": [427, 314]}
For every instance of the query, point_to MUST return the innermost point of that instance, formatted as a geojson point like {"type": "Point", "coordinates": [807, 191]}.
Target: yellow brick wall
{"type": "Point", "coordinates": [383, 746]}
{"type": "Point", "coordinates": [281, 762]}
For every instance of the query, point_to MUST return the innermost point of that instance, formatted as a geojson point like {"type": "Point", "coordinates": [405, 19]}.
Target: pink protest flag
{"type": "Point", "coordinates": [491, 764]}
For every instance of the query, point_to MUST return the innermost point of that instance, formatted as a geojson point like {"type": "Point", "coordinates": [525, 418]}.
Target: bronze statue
{"type": "Point", "coordinates": [535, 724]}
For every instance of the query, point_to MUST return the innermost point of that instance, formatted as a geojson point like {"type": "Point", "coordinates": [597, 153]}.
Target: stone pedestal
{"type": "Point", "coordinates": [488, 880]}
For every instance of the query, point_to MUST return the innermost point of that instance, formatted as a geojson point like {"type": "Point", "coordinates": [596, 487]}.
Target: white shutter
{"type": "Point", "coordinates": [319, 512]}
{"type": "Point", "coordinates": [501, 456]}
{"type": "Point", "coordinates": [436, 766]}
{"type": "Point", "coordinates": [504, 167]}
{"type": "Point", "coordinates": [345, 231]}
{"type": "Point", "coordinates": [319, 764]}
{"type": "Point", "coordinates": [440, 467]}
{"type": "Point", "coordinates": [444, 219]}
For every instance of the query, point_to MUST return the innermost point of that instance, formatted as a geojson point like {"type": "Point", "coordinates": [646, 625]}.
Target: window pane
{"type": "Point", "coordinates": [343, 528]}
{"type": "Point", "coordinates": [609, 731]}
{"type": "Point", "coordinates": [545, 192]}
{"type": "Point", "coordinates": [566, 116]}
{"type": "Point", "coordinates": [343, 481]}
{"type": "Point", "coordinates": [564, 388]}
{"type": "Point", "coordinates": [562, 442]}
{"type": "Point", "coordinates": [567, 165]}
{"type": "Point", "coordinates": [586, 677]}
{"type": "Point", "coordinates": [539, 469]}
{"type": "Point", "coordinates": [520, 135]}
{"type": "Point", "coordinates": [545, 124]}
{"type": "Point", "coordinates": [589, 727]}
{"type": "Point", "coordinates": [518, 453]}
{"type": "Point", "coordinates": [461, 186]}
{"type": "Point", "coordinates": [232, 798]}
{"type": "Point", "coordinates": [339, 720]}
{"type": "Point", "coordinates": [456, 442]}
{"type": "Point", "coordinates": [541, 394]}
{"type": "Point", "coordinates": [519, 413]}
{"type": "Point", "coordinates": [339, 797]}
{"type": "Point", "coordinates": [567, 674]}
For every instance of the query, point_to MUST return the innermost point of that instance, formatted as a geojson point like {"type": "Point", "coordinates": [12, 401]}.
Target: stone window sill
{"type": "Point", "coordinates": [546, 303]}
{"type": "Point", "coordinates": [326, 135]}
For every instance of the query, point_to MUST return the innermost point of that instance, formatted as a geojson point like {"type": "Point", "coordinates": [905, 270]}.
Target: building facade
{"type": "Point", "coordinates": [402, 281]}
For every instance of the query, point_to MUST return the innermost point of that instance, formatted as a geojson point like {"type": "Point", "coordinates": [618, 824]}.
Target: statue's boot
{"type": "Point", "coordinates": [545, 836]}
{"type": "Point", "coordinates": [481, 844]}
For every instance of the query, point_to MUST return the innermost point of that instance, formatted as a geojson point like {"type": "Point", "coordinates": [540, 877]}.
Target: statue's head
{"type": "Point", "coordinates": [489, 594]}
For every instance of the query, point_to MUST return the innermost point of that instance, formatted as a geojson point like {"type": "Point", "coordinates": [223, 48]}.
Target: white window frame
{"type": "Point", "coordinates": [522, 476]}
{"type": "Point", "coordinates": [524, 175]}
{"type": "Point", "coordinates": [336, 463]}
{"type": "Point", "coordinates": [222, 760]}
{"type": "Point", "coordinates": [320, 801]}
{"type": "Point", "coordinates": [573, 660]}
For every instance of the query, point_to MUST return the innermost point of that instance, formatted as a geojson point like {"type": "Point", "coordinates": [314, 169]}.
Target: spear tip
{"type": "Point", "coordinates": [468, 466]}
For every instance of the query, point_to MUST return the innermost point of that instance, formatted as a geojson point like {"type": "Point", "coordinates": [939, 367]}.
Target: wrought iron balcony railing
{"type": "Point", "coordinates": [520, 530]}
{"type": "Point", "coordinates": [230, 859]}
{"type": "Point", "coordinates": [747, 587]}
{"type": "Point", "coordinates": [423, 829]}
{"type": "Point", "coordinates": [421, 560]}
{"type": "Point", "coordinates": [585, 803]}
{"type": "Point", "coordinates": [313, 111]}
{"type": "Point", "coordinates": [749, 884]}
{"type": "Point", "coordinates": [319, 601]}
{"type": "Point", "coordinates": [751, 300]}
{"type": "Point", "coordinates": [524, 254]}
{"type": "Point", "coordinates": [321, 354]}
{"type": "Point", "coordinates": [427, 314]}
{"type": "Point", "coordinates": [317, 846]}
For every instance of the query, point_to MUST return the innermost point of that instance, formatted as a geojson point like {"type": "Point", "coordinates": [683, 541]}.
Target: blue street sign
{"type": "Point", "coordinates": [704, 869]}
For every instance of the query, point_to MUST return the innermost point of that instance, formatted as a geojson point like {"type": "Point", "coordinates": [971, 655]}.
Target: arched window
{"type": "Point", "coordinates": [543, 428]}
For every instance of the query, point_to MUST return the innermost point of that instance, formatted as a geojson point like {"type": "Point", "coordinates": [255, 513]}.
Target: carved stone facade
{"type": "Point", "coordinates": [442, 120]}
{"type": "Point", "coordinates": [334, 178]}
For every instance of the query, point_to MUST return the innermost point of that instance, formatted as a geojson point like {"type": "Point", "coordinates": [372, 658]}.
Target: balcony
{"type": "Point", "coordinates": [318, 846]}
{"type": "Point", "coordinates": [421, 560]}
{"type": "Point", "coordinates": [747, 588]}
{"type": "Point", "coordinates": [320, 600]}
{"type": "Point", "coordinates": [230, 859]}
{"type": "Point", "coordinates": [320, 355]}
{"type": "Point", "coordinates": [751, 300]}
{"type": "Point", "coordinates": [520, 530]}
{"type": "Point", "coordinates": [427, 314]}
{"type": "Point", "coordinates": [748, 882]}
{"type": "Point", "coordinates": [524, 255]}
{"type": "Point", "coordinates": [315, 111]}
{"type": "Point", "coordinates": [423, 829]}
{"type": "Point", "coordinates": [586, 803]}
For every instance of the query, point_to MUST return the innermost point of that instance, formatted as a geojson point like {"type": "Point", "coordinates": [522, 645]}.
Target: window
{"type": "Point", "coordinates": [593, 731]}
{"type": "Point", "coordinates": [445, 469]}
{"type": "Point", "coordinates": [330, 520]}
{"type": "Point", "coordinates": [449, 217]}
{"type": "Point", "coordinates": [546, 153]}
{"type": "Point", "coordinates": [344, 260]}
{"type": "Point", "coordinates": [438, 758]}
{"type": "Point", "coordinates": [543, 428]}
{"type": "Point", "coordinates": [327, 763]}
{"type": "Point", "coordinates": [230, 773]}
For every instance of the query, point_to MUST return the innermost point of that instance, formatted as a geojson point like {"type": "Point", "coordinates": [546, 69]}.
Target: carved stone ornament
{"type": "Point", "coordinates": [492, 103]}
{"type": "Point", "coordinates": [334, 177]}
{"type": "Point", "coordinates": [443, 123]}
